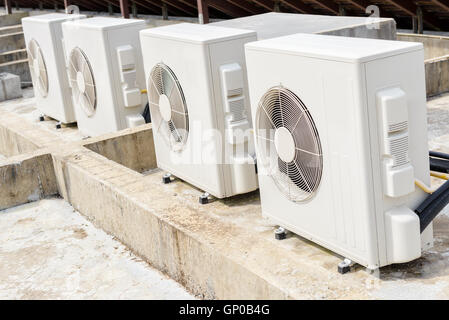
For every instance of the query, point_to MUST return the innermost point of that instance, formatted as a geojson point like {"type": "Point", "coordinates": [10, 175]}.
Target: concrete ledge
{"type": "Point", "coordinates": [199, 247]}
{"type": "Point", "coordinates": [26, 178]}
{"type": "Point", "coordinates": [223, 250]}
{"type": "Point", "coordinates": [19, 136]}
{"type": "Point", "coordinates": [132, 148]}
{"type": "Point", "coordinates": [436, 55]}
{"type": "Point", "coordinates": [437, 75]}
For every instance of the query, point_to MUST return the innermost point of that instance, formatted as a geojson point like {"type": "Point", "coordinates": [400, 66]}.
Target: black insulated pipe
{"type": "Point", "coordinates": [437, 154]}
{"type": "Point", "coordinates": [439, 165]}
{"type": "Point", "coordinates": [432, 205]}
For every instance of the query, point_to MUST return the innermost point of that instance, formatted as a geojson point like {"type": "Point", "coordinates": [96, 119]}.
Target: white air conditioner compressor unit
{"type": "Point", "coordinates": [197, 92]}
{"type": "Point", "coordinates": [341, 135]}
{"type": "Point", "coordinates": [43, 38]}
{"type": "Point", "coordinates": [105, 70]}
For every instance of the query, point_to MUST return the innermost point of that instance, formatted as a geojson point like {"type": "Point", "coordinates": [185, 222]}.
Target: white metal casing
{"type": "Point", "coordinates": [339, 80]}
{"type": "Point", "coordinates": [112, 48]}
{"type": "Point", "coordinates": [46, 30]}
{"type": "Point", "coordinates": [208, 62]}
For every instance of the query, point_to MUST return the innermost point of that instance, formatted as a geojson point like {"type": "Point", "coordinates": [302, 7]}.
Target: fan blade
{"type": "Point", "coordinates": [269, 118]}
{"type": "Point", "coordinates": [302, 176]}
{"type": "Point", "coordinates": [305, 151]}
{"type": "Point", "coordinates": [88, 99]}
{"type": "Point", "coordinates": [73, 66]}
{"type": "Point", "coordinates": [155, 87]}
{"type": "Point", "coordinates": [281, 107]}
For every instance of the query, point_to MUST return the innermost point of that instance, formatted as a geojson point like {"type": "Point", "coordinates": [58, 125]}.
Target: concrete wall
{"type": "Point", "coordinates": [437, 75]}
{"type": "Point", "coordinates": [26, 178]}
{"type": "Point", "coordinates": [434, 46]}
{"type": "Point", "coordinates": [386, 30]}
{"type": "Point", "coordinates": [132, 148]}
{"type": "Point", "coordinates": [13, 57]}
{"type": "Point", "coordinates": [436, 54]}
{"type": "Point", "coordinates": [12, 19]}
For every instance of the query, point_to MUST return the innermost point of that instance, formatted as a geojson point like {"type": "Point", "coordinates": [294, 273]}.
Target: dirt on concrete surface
{"type": "Point", "coordinates": [25, 107]}
{"type": "Point", "coordinates": [49, 251]}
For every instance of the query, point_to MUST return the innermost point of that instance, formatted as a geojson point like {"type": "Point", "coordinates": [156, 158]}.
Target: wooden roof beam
{"type": "Point", "coordinates": [247, 6]}
{"type": "Point", "coordinates": [297, 5]}
{"type": "Point", "coordinates": [328, 5]}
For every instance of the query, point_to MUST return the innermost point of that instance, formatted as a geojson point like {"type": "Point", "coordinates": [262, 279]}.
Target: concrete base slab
{"type": "Point", "coordinates": [25, 179]}
{"type": "Point", "coordinates": [224, 250]}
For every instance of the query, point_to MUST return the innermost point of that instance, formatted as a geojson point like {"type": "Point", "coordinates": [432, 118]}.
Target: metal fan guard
{"type": "Point", "coordinates": [40, 77]}
{"type": "Point", "coordinates": [299, 179]}
{"type": "Point", "coordinates": [87, 99]}
{"type": "Point", "coordinates": [175, 131]}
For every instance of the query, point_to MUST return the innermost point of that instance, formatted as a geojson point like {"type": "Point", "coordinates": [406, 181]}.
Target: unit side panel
{"type": "Point", "coordinates": [198, 162]}
{"type": "Point", "coordinates": [122, 37]}
{"type": "Point", "coordinates": [340, 215]}
{"type": "Point", "coordinates": [223, 53]}
{"type": "Point", "coordinates": [406, 72]}
{"type": "Point", "coordinates": [63, 83]}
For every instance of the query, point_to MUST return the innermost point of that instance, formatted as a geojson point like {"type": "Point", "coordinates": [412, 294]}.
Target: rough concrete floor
{"type": "Point", "coordinates": [49, 251]}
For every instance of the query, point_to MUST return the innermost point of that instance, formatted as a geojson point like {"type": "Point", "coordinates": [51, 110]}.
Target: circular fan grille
{"type": "Point", "coordinates": [168, 106]}
{"type": "Point", "coordinates": [289, 144]}
{"type": "Point", "coordinates": [82, 82]}
{"type": "Point", "coordinates": [38, 68]}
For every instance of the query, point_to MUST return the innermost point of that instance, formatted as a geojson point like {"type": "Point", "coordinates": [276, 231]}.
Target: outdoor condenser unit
{"type": "Point", "coordinates": [105, 70]}
{"type": "Point", "coordinates": [43, 38]}
{"type": "Point", "coordinates": [341, 136]}
{"type": "Point", "coordinates": [198, 100]}
{"type": "Point", "coordinates": [206, 65]}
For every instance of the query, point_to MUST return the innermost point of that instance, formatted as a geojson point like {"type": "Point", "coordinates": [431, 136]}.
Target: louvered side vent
{"type": "Point", "coordinates": [398, 173]}
{"type": "Point", "coordinates": [399, 150]}
{"type": "Point", "coordinates": [235, 92]}
{"type": "Point", "coordinates": [233, 97]}
{"type": "Point", "coordinates": [237, 108]}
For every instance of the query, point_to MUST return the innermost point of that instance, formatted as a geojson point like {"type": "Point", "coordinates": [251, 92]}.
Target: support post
{"type": "Point", "coordinates": [277, 6]}
{"type": "Point", "coordinates": [419, 15]}
{"type": "Point", "coordinates": [124, 9]}
{"type": "Point", "coordinates": [17, 6]}
{"type": "Point", "coordinates": [134, 9]}
{"type": "Point", "coordinates": [41, 6]}
{"type": "Point", "coordinates": [164, 11]}
{"type": "Point", "coordinates": [203, 11]}
{"type": "Point", "coordinates": [56, 6]}
{"type": "Point", "coordinates": [415, 24]}
{"type": "Point", "coordinates": [8, 6]}
{"type": "Point", "coordinates": [66, 5]}
{"type": "Point", "coordinates": [110, 9]}
{"type": "Point", "coordinates": [341, 10]}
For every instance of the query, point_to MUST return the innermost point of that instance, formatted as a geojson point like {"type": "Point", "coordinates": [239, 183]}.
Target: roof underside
{"type": "Point", "coordinates": [435, 12]}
